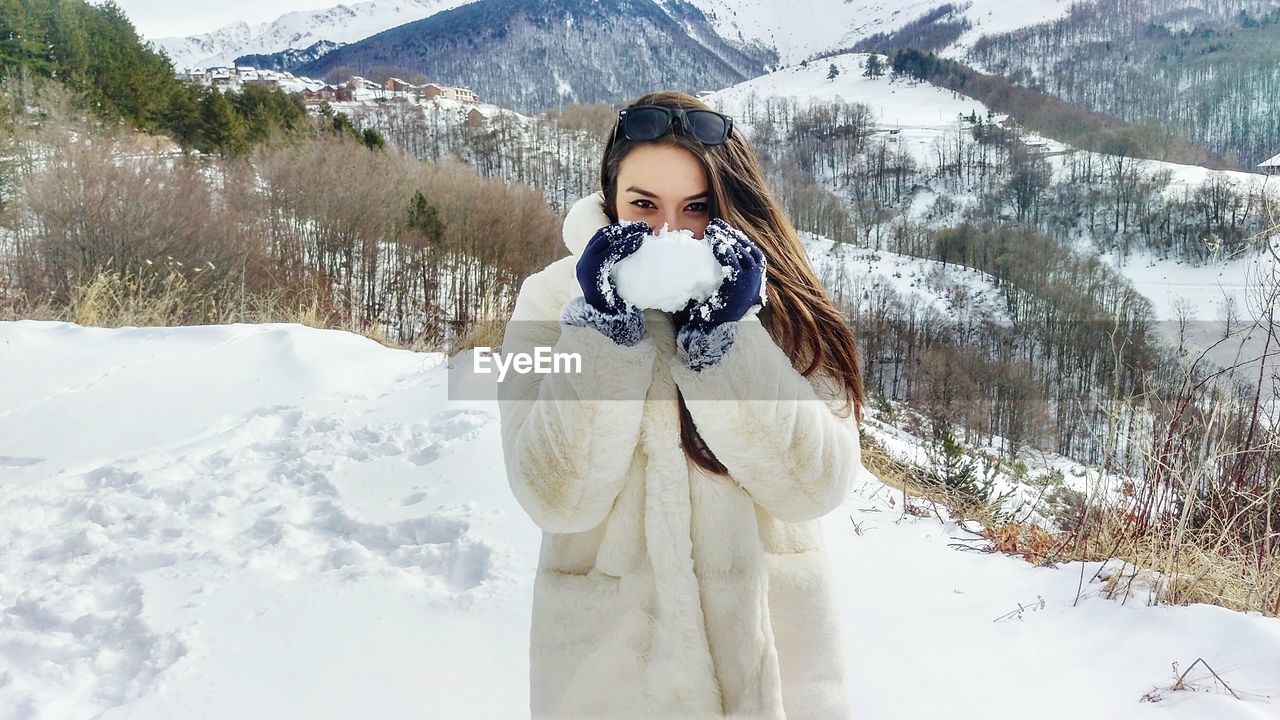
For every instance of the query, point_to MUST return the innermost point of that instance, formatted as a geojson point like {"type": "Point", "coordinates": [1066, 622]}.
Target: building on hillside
{"type": "Point", "coordinates": [1272, 166]}
{"type": "Point", "coordinates": [316, 97]}
{"type": "Point", "coordinates": [220, 77]}
{"type": "Point", "coordinates": [478, 116]}
{"type": "Point", "coordinates": [398, 85]}
{"type": "Point", "coordinates": [460, 94]}
{"type": "Point", "coordinates": [328, 93]}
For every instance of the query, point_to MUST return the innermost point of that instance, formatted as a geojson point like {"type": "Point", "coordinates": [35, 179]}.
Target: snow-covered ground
{"type": "Point", "coordinates": [958, 294]}
{"type": "Point", "coordinates": [1196, 305]}
{"type": "Point", "coordinates": [824, 25]}
{"type": "Point", "coordinates": [919, 111]}
{"type": "Point", "coordinates": [922, 115]}
{"type": "Point", "coordinates": [1205, 290]}
{"type": "Point", "coordinates": [262, 521]}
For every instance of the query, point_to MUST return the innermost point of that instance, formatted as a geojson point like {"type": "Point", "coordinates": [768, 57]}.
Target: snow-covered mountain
{"type": "Point", "coordinates": [584, 51]}
{"type": "Point", "coordinates": [823, 25]}
{"type": "Point", "coordinates": [297, 30]}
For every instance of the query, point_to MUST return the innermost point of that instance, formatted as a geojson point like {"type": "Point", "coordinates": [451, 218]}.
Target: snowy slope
{"type": "Point", "coordinates": [264, 521]}
{"type": "Point", "coordinates": [341, 23]}
{"type": "Point", "coordinates": [1205, 290]}
{"type": "Point", "coordinates": [956, 293]}
{"type": "Point", "coordinates": [1198, 305]}
{"type": "Point", "coordinates": [923, 114]}
{"type": "Point", "coordinates": [822, 25]}
{"type": "Point", "coordinates": [921, 111]}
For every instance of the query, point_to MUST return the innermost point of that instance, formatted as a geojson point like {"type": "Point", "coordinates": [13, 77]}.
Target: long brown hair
{"type": "Point", "coordinates": [800, 315]}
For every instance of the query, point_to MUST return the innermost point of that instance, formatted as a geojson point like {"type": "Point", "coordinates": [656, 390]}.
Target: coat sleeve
{"type": "Point", "coordinates": [776, 431]}
{"type": "Point", "coordinates": [567, 448]}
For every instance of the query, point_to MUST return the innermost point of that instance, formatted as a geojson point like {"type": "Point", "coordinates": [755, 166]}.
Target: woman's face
{"type": "Point", "coordinates": [663, 183]}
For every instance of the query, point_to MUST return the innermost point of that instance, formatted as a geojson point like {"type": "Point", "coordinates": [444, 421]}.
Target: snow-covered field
{"type": "Point", "coordinates": [264, 521]}
{"type": "Point", "coordinates": [1205, 291]}
{"type": "Point", "coordinates": [957, 293]}
{"type": "Point", "coordinates": [1196, 305]}
{"type": "Point", "coordinates": [920, 112]}
{"type": "Point", "coordinates": [824, 25]}
{"type": "Point", "coordinates": [923, 115]}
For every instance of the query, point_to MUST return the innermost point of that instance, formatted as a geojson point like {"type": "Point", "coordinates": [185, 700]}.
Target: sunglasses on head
{"type": "Point", "coordinates": [649, 122]}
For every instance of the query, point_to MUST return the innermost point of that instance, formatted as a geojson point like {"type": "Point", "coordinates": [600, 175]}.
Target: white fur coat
{"type": "Point", "coordinates": [664, 591]}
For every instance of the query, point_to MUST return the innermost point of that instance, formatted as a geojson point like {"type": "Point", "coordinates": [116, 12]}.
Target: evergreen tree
{"type": "Point", "coordinates": [183, 117]}
{"type": "Point", "coordinates": [372, 139]}
{"type": "Point", "coordinates": [22, 40]}
{"type": "Point", "coordinates": [267, 112]}
{"type": "Point", "coordinates": [832, 72]}
{"type": "Point", "coordinates": [952, 467]}
{"type": "Point", "coordinates": [220, 126]}
{"type": "Point", "coordinates": [875, 67]}
{"type": "Point", "coordinates": [96, 53]}
{"type": "Point", "coordinates": [425, 218]}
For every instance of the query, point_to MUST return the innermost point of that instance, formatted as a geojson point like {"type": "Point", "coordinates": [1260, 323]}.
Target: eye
{"type": "Point", "coordinates": [698, 207]}
{"type": "Point", "coordinates": [634, 202]}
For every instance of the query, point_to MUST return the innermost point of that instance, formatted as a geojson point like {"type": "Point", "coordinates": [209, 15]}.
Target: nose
{"type": "Point", "coordinates": [673, 221]}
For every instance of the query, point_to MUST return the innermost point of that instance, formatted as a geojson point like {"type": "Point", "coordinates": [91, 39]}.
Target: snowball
{"type": "Point", "coordinates": [668, 270]}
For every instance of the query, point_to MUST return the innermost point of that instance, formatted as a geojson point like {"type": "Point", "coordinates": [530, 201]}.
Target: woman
{"type": "Point", "coordinates": [680, 476]}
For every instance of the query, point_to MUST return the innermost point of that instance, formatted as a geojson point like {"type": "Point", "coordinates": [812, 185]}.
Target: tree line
{"type": "Point", "coordinates": [1213, 73]}
{"type": "Point", "coordinates": [95, 51]}
{"type": "Point", "coordinates": [377, 241]}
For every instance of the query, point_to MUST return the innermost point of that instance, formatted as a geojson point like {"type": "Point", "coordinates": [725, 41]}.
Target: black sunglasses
{"type": "Point", "coordinates": [649, 122]}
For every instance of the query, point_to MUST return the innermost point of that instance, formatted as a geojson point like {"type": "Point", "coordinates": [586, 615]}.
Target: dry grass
{"type": "Point", "coordinates": [1204, 567]}
{"type": "Point", "coordinates": [110, 299]}
{"type": "Point", "coordinates": [488, 327]}
{"type": "Point", "coordinates": [1161, 565]}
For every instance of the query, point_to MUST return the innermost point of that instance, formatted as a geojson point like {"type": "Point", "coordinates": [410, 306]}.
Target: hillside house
{"type": "Point", "coordinates": [478, 116]}
{"type": "Point", "coordinates": [397, 85]}
{"type": "Point", "coordinates": [1271, 167]}
{"type": "Point", "coordinates": [358, 83]}
{"type": "Point", "coordinates": [450, 93]}
{"type": "Point", "coordinates": [463, 94]}
{"type": "Point", "coordinates": [328, 93]}
{"type": "Point", "coordinates": [316, 97]}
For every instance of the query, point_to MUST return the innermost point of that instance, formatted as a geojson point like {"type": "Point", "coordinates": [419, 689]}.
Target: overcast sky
{"type": "Point", "coordinates": [162, 18]}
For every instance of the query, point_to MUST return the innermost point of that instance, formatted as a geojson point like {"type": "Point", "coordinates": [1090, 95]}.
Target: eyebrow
{"type": "Point", "coordinates": [646, 193]}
